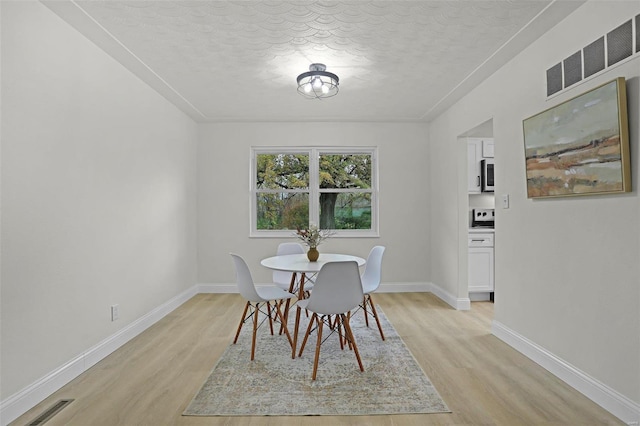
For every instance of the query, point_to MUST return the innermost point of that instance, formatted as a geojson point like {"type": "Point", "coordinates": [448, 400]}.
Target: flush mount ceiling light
{"type": "Point", "coordinates": [317, 83]}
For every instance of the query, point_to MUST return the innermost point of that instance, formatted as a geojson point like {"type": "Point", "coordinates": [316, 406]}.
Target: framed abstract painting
{"type": "Point", "coordinates": [581, 146]}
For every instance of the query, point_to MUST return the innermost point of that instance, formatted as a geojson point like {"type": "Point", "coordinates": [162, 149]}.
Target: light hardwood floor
{"type": "Point", "coordinates": [150, 380]}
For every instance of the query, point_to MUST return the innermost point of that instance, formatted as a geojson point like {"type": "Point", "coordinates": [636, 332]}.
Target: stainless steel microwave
{"type": "Point", "coordinates": [487, 174]}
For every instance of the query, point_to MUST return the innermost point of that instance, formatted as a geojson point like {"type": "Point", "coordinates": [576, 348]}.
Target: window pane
{"type": "Point", "coordinates": [282, 210]}
{"type": "Point", "coordinates": [282, 171]}
{"type": "Point", "coordinates": [345, 210]}
{"type": "Point", "coordinates": [345, 171]}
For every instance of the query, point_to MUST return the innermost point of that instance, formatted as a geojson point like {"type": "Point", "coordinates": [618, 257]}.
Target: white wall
{"type": "Point", "coordinates": [223, 195]}
{"type": "Point", "coordinates": [98, 195]}
{"type": "Point", "coordinates": [567, 269]}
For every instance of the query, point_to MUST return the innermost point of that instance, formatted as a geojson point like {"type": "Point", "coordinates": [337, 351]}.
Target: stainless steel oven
{"type": "Point", "coordinates": [483, 218]}
{"type": "Point", "coordinates": [487, 174]}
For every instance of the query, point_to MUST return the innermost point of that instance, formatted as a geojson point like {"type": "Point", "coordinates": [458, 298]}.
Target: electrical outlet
{"type": "Point", "coordinates": [115, 312]}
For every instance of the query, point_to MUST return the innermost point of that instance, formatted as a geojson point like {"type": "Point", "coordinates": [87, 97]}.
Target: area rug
{"type": "Point", "coordinates": [276, 385]}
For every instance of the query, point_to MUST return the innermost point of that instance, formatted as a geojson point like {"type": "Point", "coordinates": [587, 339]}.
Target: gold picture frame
{"type": "Point", "coordinates": [581, 146]}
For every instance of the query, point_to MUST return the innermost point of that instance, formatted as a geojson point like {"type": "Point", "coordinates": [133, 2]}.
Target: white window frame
{"type": "Point", "coordinates": [314, 188]}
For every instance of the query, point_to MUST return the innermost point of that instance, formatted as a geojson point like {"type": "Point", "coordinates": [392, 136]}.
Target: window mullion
{"type": "Point", "coordinates": [314, 186]}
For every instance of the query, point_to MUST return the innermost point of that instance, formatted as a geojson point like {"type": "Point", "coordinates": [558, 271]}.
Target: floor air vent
{"type": "Point", "coordinates": [47, 415]}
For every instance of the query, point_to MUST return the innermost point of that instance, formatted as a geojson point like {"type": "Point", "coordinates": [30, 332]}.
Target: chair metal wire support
{"type": "Point", "coordinates": [339, 323]}
{"type": "Point", "coordinates": [333, 325]}
{"type": "Point", "coordinates": [368, 302]}
{"type": "Point", "coordinates": [254, 311]}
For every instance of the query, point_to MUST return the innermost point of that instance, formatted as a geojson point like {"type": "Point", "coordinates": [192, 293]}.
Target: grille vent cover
{"type": "Point", "coordinates": [637, 33]}
{"type": "Point", "coordinates": [52, 411]}
{"type": "Point", "coordinates": [572, 69]}
{"type": "Point", "coordinates": [554, 79]}
{"type": "Point", "coordinates": [594, 57]}
{"type": "Point", "coordinates": [619, 43]}
{"type": "Point", "coordinates": [604, 52]}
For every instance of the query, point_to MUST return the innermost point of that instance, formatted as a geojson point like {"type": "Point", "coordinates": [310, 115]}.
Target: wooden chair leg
{"type": "Point", "coordinates": [335, 322]}
{"type": "Point", "coordinates": [284, 324]}
{"type": "Point", "coordinates": [255, 330]}
{"type": "Point", "coordinates": [347, 328]}
{"type": "Point", "coordinates": [301, 291]}
{"type": "Point", "coordinates": [318, 344]}
{"type": "Point", "coordinates": [364, 305]}
{"type": "Point", "coordinates": [244, 314]}
{"type": "Point", "coordinates": [270, 318]}
{"type": "Point", "coordinates": [345, 334]}
{"type": "Point", "coordinates": [295, 332]}
{"type": "Point", "coordinates": [339, 326]}
{"type": "Point", "coordinates": [286, 314]}
{"type": "Point", "coordinates": [286, 306]}
{"type": "Point", "coordinates": [314, 317]}
{"type": "Point", "coordinates": [375, 315]}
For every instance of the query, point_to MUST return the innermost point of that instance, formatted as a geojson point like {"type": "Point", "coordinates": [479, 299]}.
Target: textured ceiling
{"type": "Point", "coordinates": [238, 61]}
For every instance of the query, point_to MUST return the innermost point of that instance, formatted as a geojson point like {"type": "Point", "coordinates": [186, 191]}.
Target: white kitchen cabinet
{"type": "Point", "coordinates": [477, 149]}
{"type": "Point", "coordinates": [474, 155]}
{"type": "Point", "coordinates": [481, 262]}
{"type": "Point", "coordinates": [480, 269]}
{"type": "Point", "coordinates": [487, 148]}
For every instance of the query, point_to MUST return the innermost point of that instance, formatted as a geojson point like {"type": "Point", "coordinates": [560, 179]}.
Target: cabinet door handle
{"type": "Point", "coordinates": [478, 181]}
{"type": "Point", "coordinates": [477, 241]}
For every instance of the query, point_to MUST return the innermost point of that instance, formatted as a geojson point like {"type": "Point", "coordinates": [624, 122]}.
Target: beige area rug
{"type": "Point", "coordinates": [276, 385]}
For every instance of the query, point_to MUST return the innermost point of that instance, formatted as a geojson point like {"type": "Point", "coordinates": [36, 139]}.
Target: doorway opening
{"type": "Point", "coordinates": [479, 208]}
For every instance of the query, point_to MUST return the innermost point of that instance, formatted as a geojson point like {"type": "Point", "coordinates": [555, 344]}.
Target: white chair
{"type": "Point", "coordinates": [256, 298]}
{"type": "Point", "coordinates": [286, 280]}
{"type": "Point", "coordinates": [290, 281]}
{"type": "Point", "coordinates": [370, 283]}
{"type": "Point", "coordinates": [338, 289]}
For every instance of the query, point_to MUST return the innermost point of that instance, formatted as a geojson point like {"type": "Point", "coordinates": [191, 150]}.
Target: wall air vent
{"type": "Point", "coordinates": [606, 51]}
{"type": "Point", "coordinates": [572, 69]}
{"type": "Point", "coordinates": [554, 79]}
{"type": "Point", "coordinates": [594, 57]}
{"type": "Point", "coordinates": [637, 33]}
{"type": "Point", "coordinates": [620, 43]}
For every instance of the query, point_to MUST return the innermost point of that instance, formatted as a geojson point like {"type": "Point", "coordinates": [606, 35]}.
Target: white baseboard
{"type": "Point", "coordinates": [400, 287]}
{"type": "Point", "coordinates": [617, 404]}
{"type": "Point", "coordinates": [21, 402]}
{"type": "Point", "coordinates": [217, 288]}
{"type": "Point", "coordinates": [458, 303]}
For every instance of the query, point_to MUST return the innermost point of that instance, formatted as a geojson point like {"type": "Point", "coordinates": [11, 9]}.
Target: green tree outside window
{"type": "Point", "coordinates": [341, 186]}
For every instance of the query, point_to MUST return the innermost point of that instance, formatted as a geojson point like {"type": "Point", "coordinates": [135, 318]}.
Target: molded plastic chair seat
{"type": "Point", "coordinates": [287, 280]}
{"type": "Point", "coordinates": [257, 297]}
{"type": "Point", "coordinates": [338, 289]}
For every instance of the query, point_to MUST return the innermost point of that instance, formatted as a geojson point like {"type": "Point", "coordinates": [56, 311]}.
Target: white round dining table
{"type": "Point", "coordinates": [301, 264]}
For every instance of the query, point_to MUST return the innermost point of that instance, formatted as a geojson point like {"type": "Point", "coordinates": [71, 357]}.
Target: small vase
{"type": "Point", "coordinates": [313, 254]}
